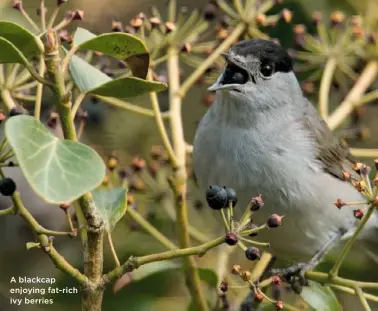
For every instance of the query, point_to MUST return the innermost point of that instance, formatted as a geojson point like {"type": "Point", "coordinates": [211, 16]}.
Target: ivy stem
{"type": "Point", "coordinates": [113, 251]}
{"type": "Point", "coordinates": [130, 107]}
{"type": "Point", "coordinates": [161, 127]}
{"type": "Point", "coordinates": [135, 262]}
{"type": "Point", "coordinates": [39, 91]}
{"type": "Point", "coordinates": [366, 78]}
{"type": "Point", "coordinates": [7, 99]}
{"type": "Point", "coordinates": [93, 230]}
{"type": "Point", "coordinates": [325, 86]}
{"type": "Point", "coordinates": [30, 21]}
{"type": "Point", "coordinates": [53, 16]}
{"type": "Point", "coordinates": [360, 295]}
{"type": "Point", "coordinates": [179, 182]}
{"type": "Point", "coordinates": [335, 269]}
{"type": "Point", "coordinates": [43, 15]}
{"type": "Point", "coordinates": [139, 219]}
{"type": "Point", "coordinates": [76, 105]}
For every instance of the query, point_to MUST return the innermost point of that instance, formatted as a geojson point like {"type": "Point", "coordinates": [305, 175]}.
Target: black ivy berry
{"type": "Point", "coordinates": [216, 197]}
{"type": "Point", "coordinates": [256, 203]}
{"type": "Point", "coordinates": [252, 253]}
{"type": "Point", "coordinates": [16, 111]}
{"type": "Point", "coordinates": [223, 286]}
{"type": "Point", "coordinates": [7, 186]}
{"type": "Point", "coordinates": [231, 196]}
{"type": "Point", "coordinates": [274, 221]}
{"type": "Point", "coordinates": [231, 238]}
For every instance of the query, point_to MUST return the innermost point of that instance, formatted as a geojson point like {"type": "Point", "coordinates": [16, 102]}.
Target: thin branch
{"type": "Point", "coordinates": [239, 7]}
{"type": "Point", "coordinates": [26, 86]}
{"type": "Point", "coordinates": [161, 127]}
{"type": "Point", "coordinates": [189, 148]}
{"type": "Point", "coordinates": [68, 57]}
{"type": "Point", "coordinates": [43, 15]}
{"type": "Point", "coordinates": [93, 232]}
{"type": "Point", "coordinates": [130, 107]}
{"type": "Point", "coordinates": [362, 298]}
{"type": "Point", "coordinates": [76, 105]}
{"type": "Point", "coordinates": [211, 59]}
{"type": "Point", "coordinates": [178, 183]}
{"type": "Point", "coordinates": [11, 76]}
{"type": "Point", "coordinates": [352, 292]}
{"type": "Point", "coordinates": [7, 99]}
{"type": "Point", "coordinates": [114, 253]}
{"type": "Point", "coordinates": [30, 21]}
{"type": "Point", "coordinates": [22, 78]}
{"type": "Point", "coordinates": [364, 152]}
{"type": "Point", "coordinates": [325, 86]}
{"type": "Point", "coordinates": [39, 92]}
{"type": "Point", "coordinates": [8, 211]}
{"type": "Point", "coordinates": [24, 97]}
{"type": "Point", "coordinates": [53, 16]}
{"type": "Point", "coordinates": [324, 278]}
{"type": "Point", "coordinates": [37, 76]}
{"type": "Point", "coordinates": [335, 269]}
{"type": "Point", "coordinates": [135, 262]}
{"type": "Point", "coordinates": [139, 219]}
{"type": "Point", "coordinates": [366, 78]}
{"type": "Point", "coordinates": [368, 97]}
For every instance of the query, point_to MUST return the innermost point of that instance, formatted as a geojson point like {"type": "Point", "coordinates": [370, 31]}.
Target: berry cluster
{"type": "Point", "coordinates": [255, 286]}
{"type": "Point", "coordinates": [224, 199]}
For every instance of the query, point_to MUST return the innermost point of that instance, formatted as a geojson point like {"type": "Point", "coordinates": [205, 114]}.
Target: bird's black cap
{"type": "Point", "coordinates": [266, 51]}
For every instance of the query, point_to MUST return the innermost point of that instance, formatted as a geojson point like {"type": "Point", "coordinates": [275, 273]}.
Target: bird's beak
{"type": "Point", "coordinates": [218, 84]}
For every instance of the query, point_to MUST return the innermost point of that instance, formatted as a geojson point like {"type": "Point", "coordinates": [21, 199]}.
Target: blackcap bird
{"type": "Point", "coordinates": [262, 136]}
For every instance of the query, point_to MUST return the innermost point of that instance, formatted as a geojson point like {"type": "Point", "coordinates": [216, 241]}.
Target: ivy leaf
{"type": "Point", "coordinates": [209, 276]}
{"type": "Point", "coordinates": [28, 44]}
{"type": "Point", "coordinates": [119, 45]}
{"type": "Point", "coordinates": [57, 170]}
{"type": "Point", "coordinates": [128, 87]}
{"type": "Point", "coordinates": [90, 80]}
{"type": "Point", "coordinates": [111, 204]}
{"type": "Point", "coordinates": [320, 297]}
{"type": "Point", "coordinates": [86, 76]}
{"type": "Point", "coordinates": [10, 53]}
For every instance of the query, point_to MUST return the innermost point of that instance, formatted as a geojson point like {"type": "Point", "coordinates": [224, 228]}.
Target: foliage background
{"type": "Point", "coordinates": [129, 134]}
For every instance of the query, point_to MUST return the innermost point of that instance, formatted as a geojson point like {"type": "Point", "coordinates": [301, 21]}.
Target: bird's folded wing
{"type": "Point", "coordinates": [333, 153]}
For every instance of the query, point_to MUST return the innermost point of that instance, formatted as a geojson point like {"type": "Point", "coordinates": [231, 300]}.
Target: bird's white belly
{"type": "Point", "coordinates": [289, 183]}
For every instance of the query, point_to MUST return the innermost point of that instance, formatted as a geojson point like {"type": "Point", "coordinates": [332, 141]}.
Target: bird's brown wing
{"type": "Point", "coordinates": [333, 153]}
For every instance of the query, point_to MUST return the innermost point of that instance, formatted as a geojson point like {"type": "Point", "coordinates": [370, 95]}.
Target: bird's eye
{"type": "Point", "coordinates": [266, 70]}
{"type": "Point", "coordinates": [234, 75]}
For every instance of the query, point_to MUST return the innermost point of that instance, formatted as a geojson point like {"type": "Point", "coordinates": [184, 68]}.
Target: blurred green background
{"type": "Point", "coordinates": [128, 134]}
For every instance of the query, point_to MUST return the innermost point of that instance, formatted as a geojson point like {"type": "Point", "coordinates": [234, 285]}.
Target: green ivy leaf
{"type": "Point", "coordinates": [90, 80]}
{"type": "Point", "coordinates": [119, 45]}
{"type": "Point", "coordinates": [209, 276]}
{"type": "Point", "coordinates": [82, 35]}
{"type": "Point", "coordinates": [111, 203]}
{"type": "Point", "coordinates": [27, 43]}
{"type": "Point", "coordinates": [320, 297]}
{"type": "Point", "coordinates": [10, 53]}
{"type": "Point", "coordinates": [128, 87]}
{"type": "Point", "coordinates": [86, 76]}
{"type": "Point", "coordinates": [58, 170]}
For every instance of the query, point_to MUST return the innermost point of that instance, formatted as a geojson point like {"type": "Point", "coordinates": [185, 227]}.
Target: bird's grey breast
{"type": "Point", "coordinates": [276, 158]}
